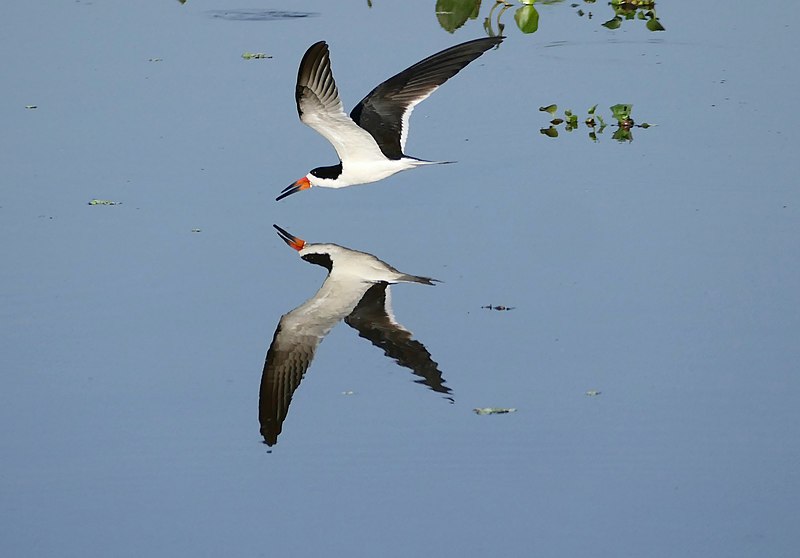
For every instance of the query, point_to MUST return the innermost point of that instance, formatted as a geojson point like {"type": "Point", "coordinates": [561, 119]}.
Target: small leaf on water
{"type": "Point", "coordinates": [493, 410]}
{"type": "Point", "coordinates": [452, 14]}
{"type": "Point", "coordinates": [255, 55]}
{"type": "Point", "coordinates": [621, 111]}
{"type": "Point", "coordinates": [31, 107]}
{"type": "Point", "coordinates": [103, 202]}
{"type": "Point", "coordinates": [621, 135]}
{"type": "Point", "coordinates": [527, 19]}
{"type": "Point", "coordinates": [654, 25]}
{"type": "Point", "coordinates": [644, 125]}
{"type": "Point", "coordinates": [613, 23]}
{"type": "Point", "coordinates": [550, 132]}
{"type": "Point", "coordinates": [591, 110]}
{"type": "Point", "coordinates": [556, 121]}
{"type": "Point", "coordinates": [549, 108]}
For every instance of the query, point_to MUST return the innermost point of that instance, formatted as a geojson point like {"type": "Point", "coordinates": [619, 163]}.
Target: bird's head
{"type": "Point", "coordinates": [327, 177]}
{"type": "Point", "coordinates": [319, 254]}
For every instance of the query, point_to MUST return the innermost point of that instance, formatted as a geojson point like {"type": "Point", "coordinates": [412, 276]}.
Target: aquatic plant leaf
{"type": "Point", "coordinates": [621, 111]}
{"type": "Point", "coordinates": [527, 19]}
{"type": "Point", "coordinates": [613, 23]}
{"type": "Point", "coordinates": [549, 108]}
{"type": "Point", "coordinates": [622, 134]}
{"type": "Point", "coordinates": [255, 55]}
{"type": "Point", "coordinates": [494, 410]}
{"type": "Point", "coordinates": [452, 14]}
{"type": "Point", "coordinates": [103, 202]}
{"type": "Point", "coordinates": [591, 110]}
{"type": "Point", "coordinates": [654, 25]}
{"type": "Point", "coordinates": [550, 132]}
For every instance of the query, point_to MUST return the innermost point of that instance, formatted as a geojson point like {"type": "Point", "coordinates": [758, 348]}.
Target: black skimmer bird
{"type": "Point", "coordinates": [371, 141]}
{"type": "Point", "coordinates": [356, 291]}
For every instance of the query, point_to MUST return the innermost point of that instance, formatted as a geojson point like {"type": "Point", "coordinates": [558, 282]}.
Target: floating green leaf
{"type": "Point", "coordinates": [613, 23]}
{"type": "Point", "coordinates": [551, 132]}
{"type": "Point", "coordinates": [103, 202]}
{"type": "Point", "coordinates": [452, 14]}
{"type": "Point", "coordinates": [527, 19]}
{"type": "Point", "coordinates": [549, 108]}
{"type": "Point", "coordinates": [255, 55]}
{"type": "Point", "coordinates": [654, 25]}
{"type": "Point", "coordinates": [622, 134]}
{"type": "Point", "coordinates": [621, 111]}
{"type": "Point", "coordinates": [494, 410]}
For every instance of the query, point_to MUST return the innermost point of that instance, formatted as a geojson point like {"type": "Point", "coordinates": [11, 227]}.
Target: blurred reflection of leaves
{"type": "Point", "coordinates": [258, 15]}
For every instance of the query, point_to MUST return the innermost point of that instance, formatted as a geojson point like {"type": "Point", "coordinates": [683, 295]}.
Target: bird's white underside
{"type": "Point", "coordinates": [362, 160]}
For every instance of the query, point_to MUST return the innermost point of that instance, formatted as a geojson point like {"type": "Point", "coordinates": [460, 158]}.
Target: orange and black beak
{"type": "Point", "coordinates": [302, 184]}
{"type": "Point", "coordinates": [291, 240]}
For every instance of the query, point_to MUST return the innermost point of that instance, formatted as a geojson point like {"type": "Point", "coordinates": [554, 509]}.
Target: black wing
{"type": "Point", "coordinates": [385, 111]}
{"type": "Point", "coordinates": [371, 318]}
{"type": "Point", "coordinates": [287, 360]}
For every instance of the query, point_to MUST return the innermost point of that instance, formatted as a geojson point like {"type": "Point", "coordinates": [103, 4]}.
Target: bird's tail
{"type": "Point", "coordinates": [417, 279]}
{"type": "Point", "coordinates": [422, 162]}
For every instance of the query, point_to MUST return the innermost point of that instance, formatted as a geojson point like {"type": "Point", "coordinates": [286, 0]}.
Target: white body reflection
{"type": "Point", "coordinates": [356, 291]}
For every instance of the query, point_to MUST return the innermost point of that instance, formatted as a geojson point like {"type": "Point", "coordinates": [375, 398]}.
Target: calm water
{"type": "Point", "coordinates": [661, 272]}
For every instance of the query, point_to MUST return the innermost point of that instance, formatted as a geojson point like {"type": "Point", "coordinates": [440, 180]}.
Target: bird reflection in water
{"type": "Point", "coordinates": [356, 290]}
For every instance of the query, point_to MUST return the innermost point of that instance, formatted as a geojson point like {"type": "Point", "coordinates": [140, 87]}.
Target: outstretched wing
{"type": "Point", "coordinates": [320, 107]}
{"type": "Point", "coordinates": [385, 111]}
{"type": "Point", "coordinates": [288, 358]}
{"type": "Point", "coordinates": [372, 318]}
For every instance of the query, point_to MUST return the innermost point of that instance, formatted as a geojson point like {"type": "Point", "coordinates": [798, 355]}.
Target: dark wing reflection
{"type": "Point", "coordinates": [296, 339]}
{"type": "Point", "coordinates": [373, 319]}
{"type": "Point", "coordinates": [287, 360]}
